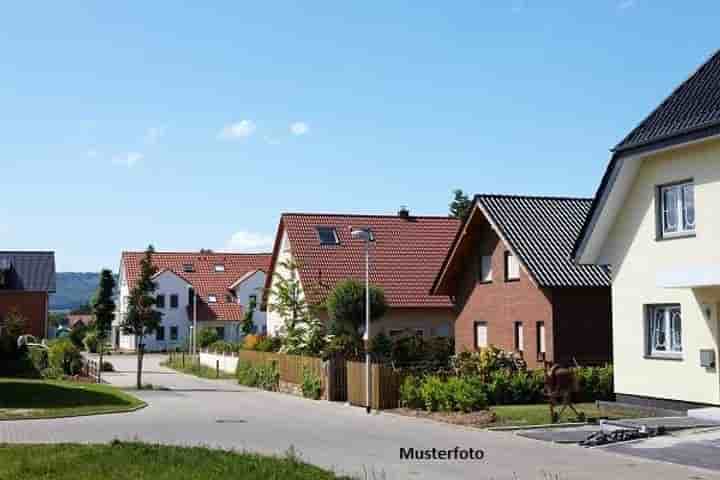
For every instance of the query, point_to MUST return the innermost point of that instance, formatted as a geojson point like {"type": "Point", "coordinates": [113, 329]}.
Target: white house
{"type": "Point", "coordinates": [406, 253]}
{"type": "Point", "coordinates": [654, 222]}
{"type": "Point", "coordinates": [214, 288]}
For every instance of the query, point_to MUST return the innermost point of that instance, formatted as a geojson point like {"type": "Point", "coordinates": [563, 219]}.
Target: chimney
{"type": "Point", "coordinates": [404, 212]}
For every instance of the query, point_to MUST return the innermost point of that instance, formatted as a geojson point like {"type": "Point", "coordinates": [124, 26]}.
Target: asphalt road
{"type": "Point", "coordinates": [344, 438]}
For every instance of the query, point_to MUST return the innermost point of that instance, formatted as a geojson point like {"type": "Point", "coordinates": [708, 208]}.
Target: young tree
{"type": "Point", "coordinates": [248, 326]}
{"type": "Point", "coordinates": [461, 205]}
{"type": "Point", "coordinates": [142, 318]}
{"type": "Point", "coordinates": [104, 310]}
{"type": "Point", "coordinates": [346, 304]}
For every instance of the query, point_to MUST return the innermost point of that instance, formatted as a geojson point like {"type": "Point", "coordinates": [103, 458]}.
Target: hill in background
{"type": "Point", "coordinates": [74, 289]}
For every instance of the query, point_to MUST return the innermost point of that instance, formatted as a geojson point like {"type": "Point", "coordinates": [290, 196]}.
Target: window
{"type": "Point", "coordinates": [395, 332]}
{"type": "Point", "coordinates": [486, 269]}
{"type": "Point", "coordinates": [173, 333]}
{"type": "Point", "coordinates": [328, 236]}
{"type": "Point", "coordinates": [174, 300]}
{"type": "Point", "coordinates": [220, 332]}
{"type": "Point", "coordinates": [419, 332]}
{"type": "Point", "coordinates": [219, 267]}
{"type": "Point", "coordinates": [160, 301]}
{"type": "Point", "coordinates": [212, 299]}
{"type": "Point", "coordinates": [188, 267]}
{"type": "Point", "coordinates": [160, 334]}
{"type": "Point", "coordinates": [191, 296]}
{"type": "Point", "coordinates": [664, 331]}
{"type": "Point", "coordinates": [519, 340]}
{"type": "Point", "coordinates": [512, 267]}
{"type": "Point", "coordinates": [252, 300]}
{"type": "Point", "coordinates": [677, 209]}
{"type": "Point", "coordinates": [228, 298]}
{"type": "Point", "coordinates": [481, 335]}
{"type": "Point", "coordinates": [540, 330]}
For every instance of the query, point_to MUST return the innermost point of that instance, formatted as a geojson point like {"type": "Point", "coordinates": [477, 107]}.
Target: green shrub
{"type": "Point", "coordinates": [221, 346]}
{"type": "Point", "coordinates": [246, 374]}
{"type": "Point", "coordinates": [595, 383]}
{"type": "Point", "coordinates": [91, 341]}
{"type": "Point", "coordinates": [527, 387]}
{"type": "Point", "coordinates": [463, 394]}
{"type": "Point", "coordinates": [77, 335]}
{"type": "Point", "coordinates": [65, 355]}
{"type": "Point", "coordinates": [410, 393]}
{"type": "Point", "coordinates": [311, 385]}
{"type": "Point", "coordinates": [206, 337]}
{"type": "Point", "coordinates": [39, 358]}
{"type": "Point", "coordinates": [268, 344]}
{"type": "Point", "coordinates": [52, 373]}
{"type": "Point", "coordinates": [268, 376]}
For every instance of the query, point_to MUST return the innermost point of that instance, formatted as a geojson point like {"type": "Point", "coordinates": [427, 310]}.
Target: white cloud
{"type": "Point", "coordinates": [243, 241]}
{"type": "Point", "coordinates": [128, 159]}
{"type": "Point", "coordinates": [153, 134]}
{"type": "Point", "coordinates": [299, 128]}
{"type": "Point", "coordinates": [625, 4]}
{"type": "Point", "coordinates": [241, 129]}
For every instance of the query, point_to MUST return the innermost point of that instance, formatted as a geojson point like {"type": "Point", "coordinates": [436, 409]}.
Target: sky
{"type": "Point", "coordinates": [196, 126]}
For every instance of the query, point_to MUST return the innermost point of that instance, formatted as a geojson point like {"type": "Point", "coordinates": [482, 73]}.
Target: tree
{"type": "Point", "coordinates": [207, 336]}
{"type": "Point", "coordinates": [248, 326]}
{"type": "Point", "coordinates": [302, 332]}
{"type": "Point", "coordinates": [346, 304]}
{"type": "Point", "coordinates": [142, 318]}
{"type": "Point", "coordinates": [461, 205]}
{"type": "Point", "coordinates": [104, 310]}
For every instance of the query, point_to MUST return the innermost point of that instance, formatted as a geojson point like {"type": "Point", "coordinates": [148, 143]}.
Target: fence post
{"type": "Point", "coordinates": [183, 360]}
{"type": "Point", "coordinates": [217, 368]}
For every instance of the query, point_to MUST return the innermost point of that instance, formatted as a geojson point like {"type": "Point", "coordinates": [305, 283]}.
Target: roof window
{"type": "Point", "coordinates": [328, 236]}
{"type": "Point", "coordinates": [219, 267]}
{"type": "Point", "coordinates": [188, 267]}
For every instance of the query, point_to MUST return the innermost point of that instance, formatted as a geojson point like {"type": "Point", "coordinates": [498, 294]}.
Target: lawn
{"type": "Point", "coordinates": [192, 367]}
{"type": "Point", "coordinates": [22, 399]}
{"type": "Point", "coordinates": [130, 461]}
{"type": "Point", "coordinates": [519, 415]}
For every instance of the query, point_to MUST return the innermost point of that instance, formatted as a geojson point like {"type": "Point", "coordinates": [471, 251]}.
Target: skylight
{"type": "Point", "coordinates": [212, 299]}
{"type": "Point", "coordinates": [328, 236]}
{"type": "Point", "coordinates": [188, 267]}
{"type": "Point", "coordinates": [219, 267]}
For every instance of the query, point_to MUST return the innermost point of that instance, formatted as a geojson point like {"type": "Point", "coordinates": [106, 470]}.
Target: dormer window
{"type": "Point", "coordinates": [328, 236]}
{"type": "Point", "coordinates": [212, 298]}
{"type": "Point", "coordinates": [219, 267]}
{"type": "Point", "coordinates": [188, 267]}
{"type": "Point", "coordinates": [677, 210]}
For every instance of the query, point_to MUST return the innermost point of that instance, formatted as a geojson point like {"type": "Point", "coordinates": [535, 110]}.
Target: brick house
{"type": "Point", "coordinates": [405, 255]}
{"type": "Point", "coordinates": [26, 281]}
{"type": "Point", "coordinates": [514, 285]}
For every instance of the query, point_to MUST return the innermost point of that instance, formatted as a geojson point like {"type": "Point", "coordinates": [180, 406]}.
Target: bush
{"type": "Point", "coordinates": [52, 373]}
{"type": "Point", "coordinates": [91, 341]}
{"type": "Point", "coordinates": [250, 341]}
{"type": "Point", "coordinates": [206, 337]}
{"type": "Point", "coordinates": [221, 346]}
{"type": "Point", "coordinates": [311, 385]}
{"type": "Point", "coordinates": [39, 358]}
{"type": "Point", "coordinates": [77, 335]}
{"type": "Point", "coordinates": [264, 376]}
{"type": "Point", "coordinates": [268, 344]}
{"type": "Point", "coordinates": [65, 355]}
{"type": "Point", "coordinates": [595, 383]}
{"type": "Point", "coordinates": [457, 394]}
{"type": "Point", "coordinates": [527, 387]}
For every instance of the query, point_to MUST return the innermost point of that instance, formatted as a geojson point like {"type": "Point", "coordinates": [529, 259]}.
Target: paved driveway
{"type": "Point", "coordinates": [331, 435]}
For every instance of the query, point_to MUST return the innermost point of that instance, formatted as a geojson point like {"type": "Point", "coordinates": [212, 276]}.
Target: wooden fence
{"type": "Point", "coordinates": [384, 385]}
{"type": "Point", "coordinates": [290, 367]}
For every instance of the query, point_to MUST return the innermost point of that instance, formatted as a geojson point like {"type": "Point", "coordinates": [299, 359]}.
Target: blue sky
{"type": "Point", "coordinates": [195, 126]}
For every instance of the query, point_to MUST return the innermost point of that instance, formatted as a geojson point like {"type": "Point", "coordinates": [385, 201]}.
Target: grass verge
{"type": "Point", "coordinates": [130, 461]}
{"type": "Point", "coordinates": [27, 399]}
{"type": "Point", "coordinates": [192, 367]}
{"type": "Point", "coordinates": [520, 415]}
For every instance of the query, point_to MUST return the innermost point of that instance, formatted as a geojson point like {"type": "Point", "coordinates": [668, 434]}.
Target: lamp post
{"type": "Point", "coordinates": [366, 236]}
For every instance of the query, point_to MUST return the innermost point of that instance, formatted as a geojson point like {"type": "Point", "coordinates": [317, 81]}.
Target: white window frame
{"type": "Point", "coordinates": [512, 267]}
{"type": "Point", "coordinates": [212, 298]}
{"type": "Point", "coordinates": [542, 346]}
{"type": "Point", "coordinates": [663, 325]}
{"type": "Point", "coordinates": [480, 342]}
{"type": "Point", "coordinates": [219, 267]}
{"type": "Point", "coordinates": [486, 272]}
{"type": "Point", "coordinates": [519, 337]}
{"type": "Point", "coordinates": [683, 226]}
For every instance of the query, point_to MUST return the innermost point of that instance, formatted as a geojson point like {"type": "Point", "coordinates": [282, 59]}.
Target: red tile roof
{"type": "Point", "coordinates": [404, 259]}
{"type": "Point", "coordinates": [204, 279]}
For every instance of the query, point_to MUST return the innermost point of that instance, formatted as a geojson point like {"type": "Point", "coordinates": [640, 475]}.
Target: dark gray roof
{"type": "Point", "coordinates": [542, 232]}
{"type": "Point", "coordinates": [694, 105]}
{"type": "Point", "coordinates": [32, 271]}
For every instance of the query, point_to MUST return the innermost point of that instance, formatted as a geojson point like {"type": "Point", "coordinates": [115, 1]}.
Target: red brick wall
{"type": "Point", "coordinates": [500, 303]}
{"type": "Point", "coordinates": [31, 305]}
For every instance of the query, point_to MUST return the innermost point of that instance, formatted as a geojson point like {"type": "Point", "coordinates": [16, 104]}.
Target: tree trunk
{"type": "Point", "coordinates": [100, 350]}
{"type": "Point", "coordinates": [140, 351]}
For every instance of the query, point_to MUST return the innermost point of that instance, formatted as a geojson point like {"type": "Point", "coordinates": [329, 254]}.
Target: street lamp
{"type": "Point", "coordinates": [366, 235]}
